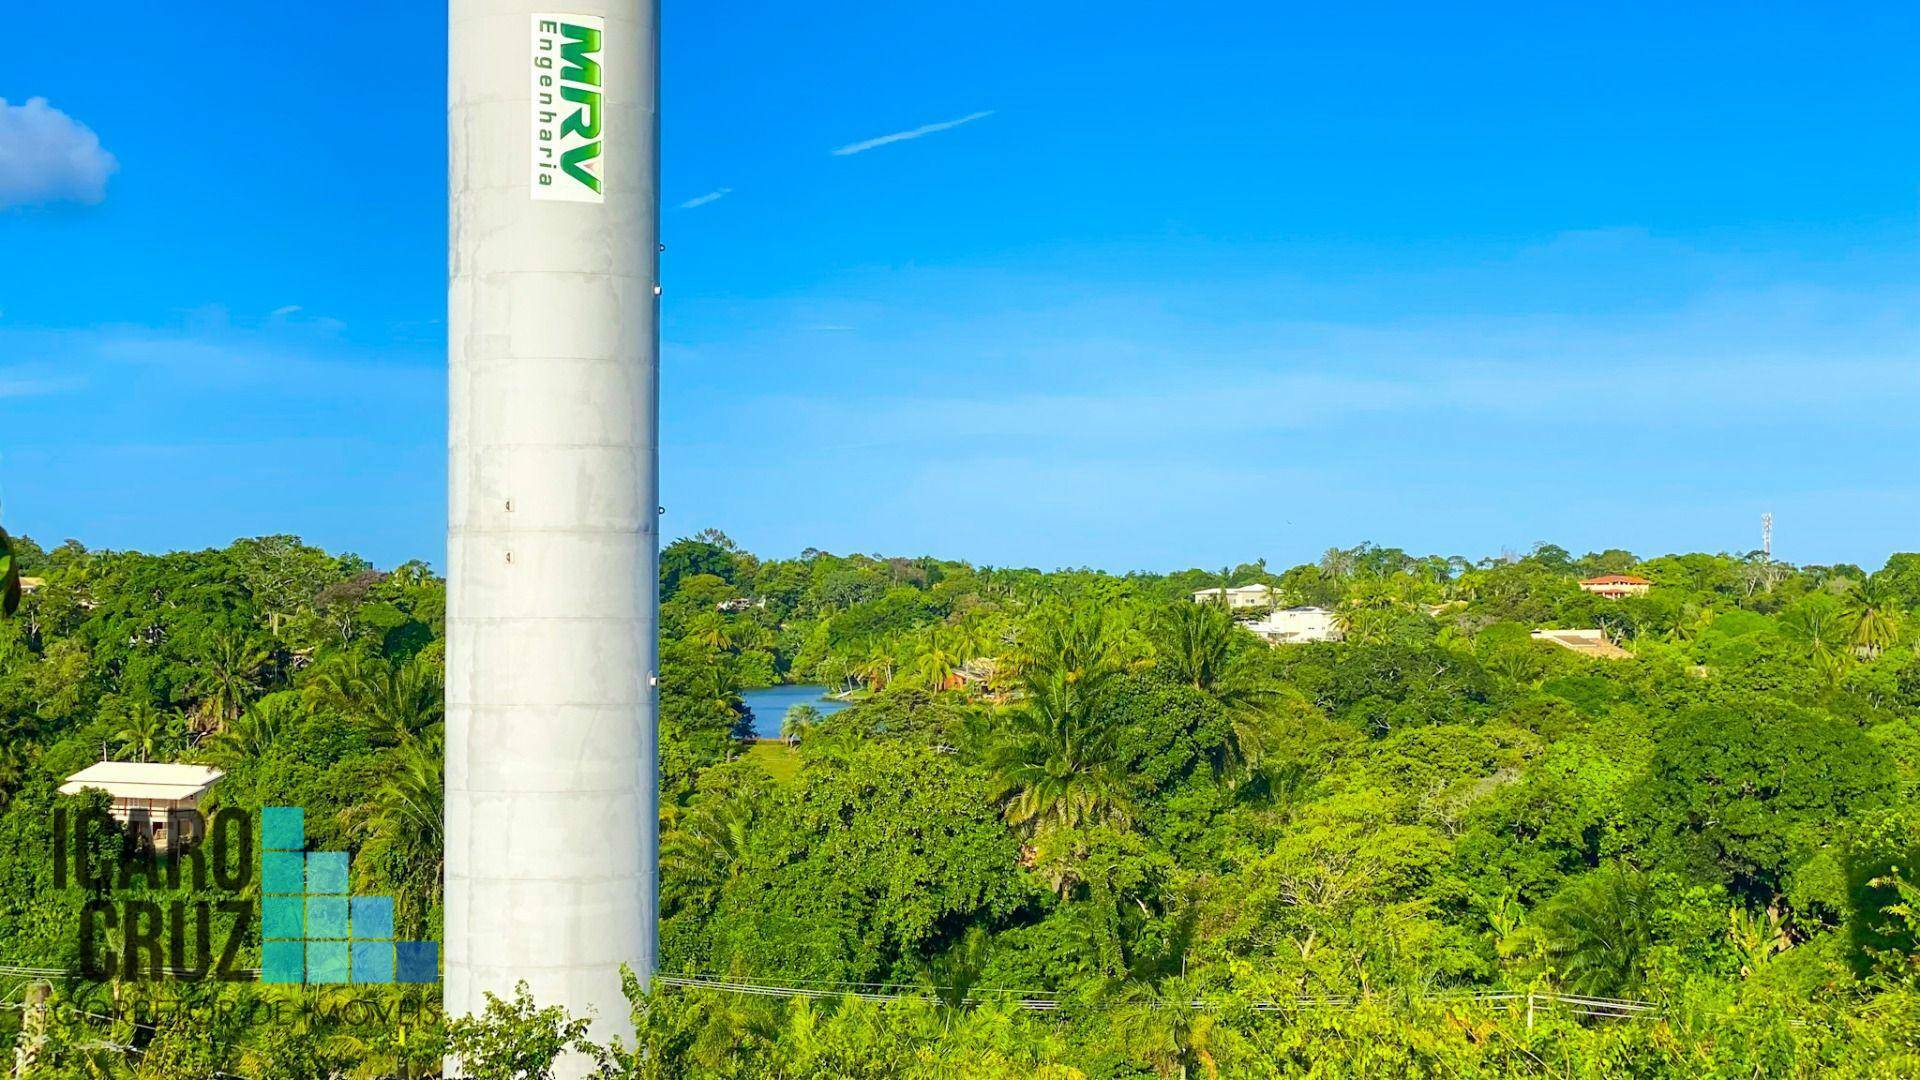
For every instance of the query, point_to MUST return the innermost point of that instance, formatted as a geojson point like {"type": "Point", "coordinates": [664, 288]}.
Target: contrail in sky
{"type": "Point", "coordinates": [707, 198]}
{"type": "Point", "coordinates": [902, 136]}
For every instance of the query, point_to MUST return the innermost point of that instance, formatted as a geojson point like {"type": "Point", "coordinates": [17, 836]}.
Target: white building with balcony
{"type": "Point", "coordinates": [1295, 625]}
{"type": "Point", "coordinates": [1238, 597]}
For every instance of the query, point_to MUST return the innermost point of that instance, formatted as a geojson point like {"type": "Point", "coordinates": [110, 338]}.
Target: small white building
{"type": "Point", "coordinates": [1238, 597]}
{"type": "Point", "coordinates": [154, 788]}
{"type": "Point", "coordinates": [1615, 586]}
{"type": "Point", "coordinates": [1291, 626]}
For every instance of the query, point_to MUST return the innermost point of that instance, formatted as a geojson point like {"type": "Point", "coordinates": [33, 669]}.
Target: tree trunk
{"type": "Point", "coordinates": [33, 1030]}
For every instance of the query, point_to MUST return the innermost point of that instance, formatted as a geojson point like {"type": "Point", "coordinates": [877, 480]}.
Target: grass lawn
{"type": "Point", "coordinates": [777, 758]}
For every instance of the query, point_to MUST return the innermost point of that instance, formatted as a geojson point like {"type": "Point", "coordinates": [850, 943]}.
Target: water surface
{"type": "Point", "coordinates": [770, 705]}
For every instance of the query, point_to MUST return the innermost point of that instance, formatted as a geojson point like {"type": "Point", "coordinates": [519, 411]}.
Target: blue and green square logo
{"type": "Point", "coordinates": [313, 930]}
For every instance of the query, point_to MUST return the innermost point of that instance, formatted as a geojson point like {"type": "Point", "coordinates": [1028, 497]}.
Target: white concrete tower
{"type": "Point", "coordinates": [552, 766]}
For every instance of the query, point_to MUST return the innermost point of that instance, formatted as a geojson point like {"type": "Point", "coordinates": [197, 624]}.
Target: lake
{"type": "Point", "coordinates": [770, 705]}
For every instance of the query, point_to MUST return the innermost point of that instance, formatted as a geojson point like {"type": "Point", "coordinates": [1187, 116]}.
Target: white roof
{"type": "Point", "coordinates": [1571, 635]}
{"type": "Point", "coordinates": [143, 780]}
{"type": "Point", "coordinates": [1585, 642]}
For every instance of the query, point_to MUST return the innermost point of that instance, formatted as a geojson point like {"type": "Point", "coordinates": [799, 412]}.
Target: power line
{"type": "Point", "coordinates": [1577, 1004]}
{"type": "Point", "coordinates": [63, 973]}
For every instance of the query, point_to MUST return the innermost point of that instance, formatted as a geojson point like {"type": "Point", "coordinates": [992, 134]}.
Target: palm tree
{"type": "Point", "coordinates": [1195, 644]}
{"type": "Point", "coordinates": [143, 731]}
{"type": "Point", "coordinates": [1157, 1012]}
{"type": "Point", "coordinates": [1012, 656]}
{"type": "Point", "coordinates": [1359, 623]}
{"type": "Point", "coordinates": [1366, 612]}
{"type": "Point", "coordinates": [1086, 645]}
{"type": "Point", "coordinates": [799, 720]}
{"type": "Point", "coordinates": [1052, 786]}
{"type": "Point", "coordinates": [392, 703]}
{"type": "Point", "coordinates": [707, 846]}
{"type": "Point", "coordinates": [1056, 763]}
{"type": "Point", "coordinates": [253, 735]}
{"type": "Point", "coordinates": [414, 791]}
{"type": "Point", "coordinates": [229, 676]}
{"type": "Point", "coordinates": [711, 630]}
{"type": "Point", "coordinates": [876, 670]}
{"type": "Point", "coordinates": [953, 974]}
{"type": "Point", "coordinates": [402, 825]}
{"type": "Point", "coordinates": [1817, 624]}
{"type": "Point", "coordinates": [1832, 667]}
{"type": "Point", "coordinates": [936, 666]}
{"type": "Point", "coordinates": [1163, 1024]}
{"type": "Point", "coordinates": [973, 636]}
{"type": "Point", "coordinates": [1871, 613]}
{"type": "Point", "coordinates": [1600, 929]}
{"type": "Point", "coordinates": [1526, 663]}
{"type": "Point", "coordinates": [1058, 766]}
{"type": "Point", "coordinates": [1691, 623]}
{"type": "Point", "coordinates": [833, 671]}
{"type": "Point", "coordinates": [1338, 563]}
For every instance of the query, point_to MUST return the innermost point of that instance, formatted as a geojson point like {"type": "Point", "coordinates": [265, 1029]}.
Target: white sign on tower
{"type": "Point", "coordinates": [569, 107]}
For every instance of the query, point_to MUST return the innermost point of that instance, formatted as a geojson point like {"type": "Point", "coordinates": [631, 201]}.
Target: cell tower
{"type": "Point", "coordinates": [552, 781]}
{"type": "Point", "coordinates": [1766, 535]}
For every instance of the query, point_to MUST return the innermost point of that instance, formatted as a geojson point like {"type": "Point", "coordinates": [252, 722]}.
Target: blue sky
{"type": "Point", "coordinates": [1191, 286]}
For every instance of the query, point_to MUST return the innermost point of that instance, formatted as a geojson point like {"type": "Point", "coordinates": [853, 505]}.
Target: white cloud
{"type": "Point", "coordinates": [711, 196]}
{"type": "Point", "coordinates": [48, 156]}
{"type": "Point", "coordinates": [11, 388]}
{"type": "Point", "coordinates": [902, 136]}
{"type": "Point", "coordinates": [274, 377]}
{"type": "Point", "coordinates": [1065, 374]}
{"type": "Point", "coordinates": [283, 312]}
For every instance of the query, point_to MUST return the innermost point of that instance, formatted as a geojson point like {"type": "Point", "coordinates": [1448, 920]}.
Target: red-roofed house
{"type": "Point", "coordinates": [1615, 586]}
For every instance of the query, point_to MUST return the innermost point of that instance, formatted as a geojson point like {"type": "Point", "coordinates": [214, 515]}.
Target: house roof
{"type": "Point", "coordinates": [143, 780]}
{"type": "Point", "coordinates": [1615, 579]}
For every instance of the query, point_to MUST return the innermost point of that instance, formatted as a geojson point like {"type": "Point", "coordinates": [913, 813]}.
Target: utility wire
{"type": "Point", "coordinates": [1579, 1005]}
{"type": "Point", "coordinates": [1041, 1001]}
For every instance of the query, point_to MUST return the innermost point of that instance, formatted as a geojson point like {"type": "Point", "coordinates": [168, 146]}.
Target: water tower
{"type": "Point", "coordinates": [552, 764]}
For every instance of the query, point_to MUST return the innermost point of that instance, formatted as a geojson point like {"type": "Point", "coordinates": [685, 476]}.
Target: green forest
{"type": "Point", "coordinates": [1073, 824]}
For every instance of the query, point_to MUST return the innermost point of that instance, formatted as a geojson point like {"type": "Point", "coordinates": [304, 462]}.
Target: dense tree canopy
{"type": "Point", "coordinates": [1078, 787]}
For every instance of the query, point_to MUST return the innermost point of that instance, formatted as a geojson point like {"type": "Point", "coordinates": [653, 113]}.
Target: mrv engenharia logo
{"type": "Point", "coordinates": [188, 898]}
